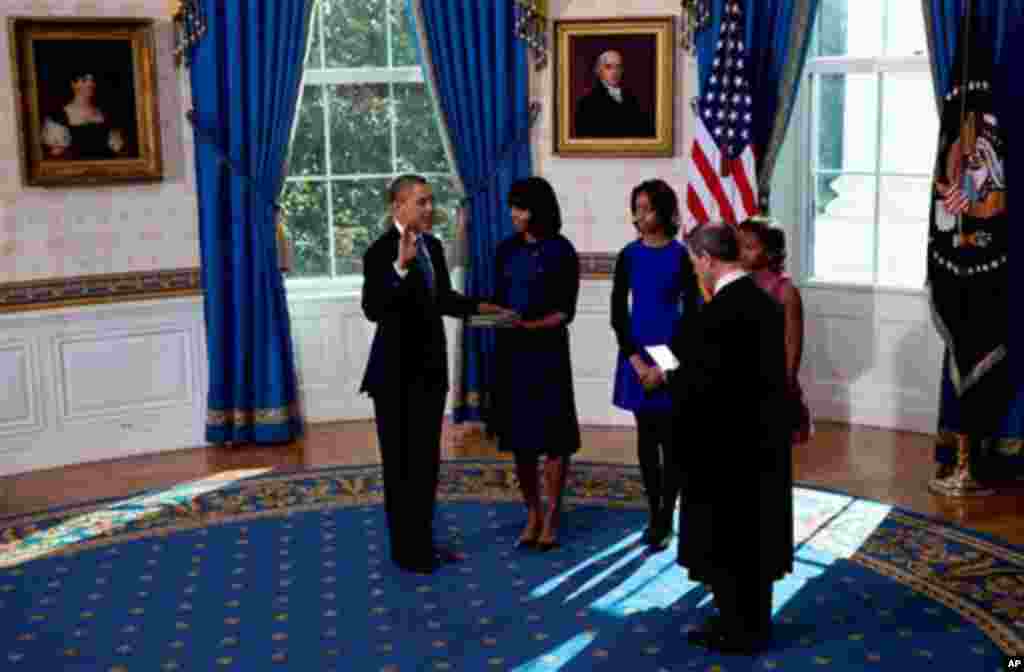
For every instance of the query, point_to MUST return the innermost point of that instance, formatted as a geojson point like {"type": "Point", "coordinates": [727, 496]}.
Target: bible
{"type": "Point", "coordinates": [663, 357]}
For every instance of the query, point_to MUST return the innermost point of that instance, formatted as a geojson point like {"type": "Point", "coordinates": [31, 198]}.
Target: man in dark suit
{"type": "Point", "coordinates": [406, 290]}
{"type": "Point", "coordinates": [609, 110]}
{"type": "Point", "coordinates": [736, 519]}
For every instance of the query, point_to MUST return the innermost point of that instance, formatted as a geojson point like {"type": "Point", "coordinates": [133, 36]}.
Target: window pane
{"type": "Point", "coordinates": [446, 203]}
{"type": "Point", "coordinates": [403, 49]}
{"type": "Point", "coordinates": [847, 116]}
{"type": "Point", "coordinates": [313, 59]}
{"type": "Point", "coordinates": [419, 140]}
{"type": "Point", "coordinates": [850, 27]}
{"type": "Point", "coordinates": [844, 229]}
{"type": "Point", "coordinates": [306, 206]}
{"type": "Point", "coordinates": [903, 231]}
{"type": "Point", "coordinates": [307, 150]}
{"type": "Point", "coordinates": [904, 33]}
{"type": "Point", "coordinates": [910, 123]}
{"type": "Point", "coordinates": [360, 129]}
{"type": "Point", "coordinates": [354, 33]}
{"type": "Point", "coordinates": [360, 216]}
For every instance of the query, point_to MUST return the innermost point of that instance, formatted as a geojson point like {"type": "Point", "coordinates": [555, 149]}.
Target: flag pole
{"type": "Point", "coordinates": [960, 482]}
{"type": "Point", "coordinates": [963, 102]}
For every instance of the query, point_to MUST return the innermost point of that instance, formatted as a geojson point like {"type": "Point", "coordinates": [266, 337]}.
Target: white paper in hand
{"type": "Point", "coordinates": [663, 357]}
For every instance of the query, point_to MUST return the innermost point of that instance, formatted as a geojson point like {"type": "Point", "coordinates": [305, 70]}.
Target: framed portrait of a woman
{"type": "Point", "coordinates": [88, 100]}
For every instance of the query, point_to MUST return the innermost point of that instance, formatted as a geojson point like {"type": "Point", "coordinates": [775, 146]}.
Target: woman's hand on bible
{"type": "Point", "coordinates": [655, 377]}
{"type": "Point", "coordinates": [641, 368]}
{"type": "Point", "coordinates": [494, 309]}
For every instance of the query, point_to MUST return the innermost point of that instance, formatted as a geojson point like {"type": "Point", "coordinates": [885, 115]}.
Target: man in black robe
{"type": "Point", "coordinates": [736, 516]}
{"type": "Point", "coordinates": [609, 110]}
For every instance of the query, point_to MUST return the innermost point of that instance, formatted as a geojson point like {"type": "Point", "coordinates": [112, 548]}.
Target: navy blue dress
{"type": "Point", "coordinates": [533, 399]}
{"type": "Point", "coordinates": [663, 288]}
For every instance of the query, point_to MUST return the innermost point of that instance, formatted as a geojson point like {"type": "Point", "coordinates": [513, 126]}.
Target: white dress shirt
{"type": "Point", "coordinates": [730, 277]}
{"type": "Point", "coordinates": [614, 91]}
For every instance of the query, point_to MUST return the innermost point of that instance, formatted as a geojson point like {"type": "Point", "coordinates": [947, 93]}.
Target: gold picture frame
{"type": "Point", "coordinates": [597, 115]}
{"type": "Point", "coordinates": [87, 100]}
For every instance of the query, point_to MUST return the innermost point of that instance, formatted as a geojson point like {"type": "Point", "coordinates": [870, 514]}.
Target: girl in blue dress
{"type": "Point", "coordinates": [534, 406]}
{"type": "Point", "coordinates": [656, 272]}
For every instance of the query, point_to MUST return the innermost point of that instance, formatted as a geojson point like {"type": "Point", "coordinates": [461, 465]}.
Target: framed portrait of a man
{"type": "Point", "coordinates": [614, 81]}
{"type": "Point", "coordinates": [88, 102]}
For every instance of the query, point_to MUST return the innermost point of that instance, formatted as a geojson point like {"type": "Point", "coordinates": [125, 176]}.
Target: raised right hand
{"type": "Point", "coordinates": [406, 248]}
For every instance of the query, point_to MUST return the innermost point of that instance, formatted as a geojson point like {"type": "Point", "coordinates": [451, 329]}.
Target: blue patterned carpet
{"type": "Point", "coordinates": [256, 572]}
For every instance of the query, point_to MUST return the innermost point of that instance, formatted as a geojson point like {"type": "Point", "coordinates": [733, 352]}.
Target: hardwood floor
{"type": "Point", "coordinates": [891, 467]}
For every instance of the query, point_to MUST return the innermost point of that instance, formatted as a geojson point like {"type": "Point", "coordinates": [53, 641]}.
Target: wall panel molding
{"type": "Point", "coordinates": [868, 359]}
{"type": "Point", "coordinates": [21, 392]}
{"type": "Point", "coordinates": [110, 374]}
{"type": "Point", "coordinates": [100, 288]}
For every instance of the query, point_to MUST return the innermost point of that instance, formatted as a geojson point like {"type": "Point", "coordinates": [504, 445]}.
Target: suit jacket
{"type": "Point", "coordinates": [598, 115]}
{"type": "Point", "coordinates": [409, 342]}
{"type": "Point", "coordinates": [730, 391]}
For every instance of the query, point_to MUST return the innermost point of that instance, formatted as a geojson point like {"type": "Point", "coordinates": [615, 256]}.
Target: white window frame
{"type": "Point", "coordinates": [804, 123]}
{"type": "Point", "coordinates": [334, 284]}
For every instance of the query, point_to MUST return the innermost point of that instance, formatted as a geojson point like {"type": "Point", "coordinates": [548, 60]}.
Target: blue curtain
{"type": "Point", "coordinates": [246, 73]}
{"type": "Point", "coordinates": [999, 20]}
{"type": "Point", "coordinates": [776, 36]}
{"type": "Point", "coordinates": [480, 73]}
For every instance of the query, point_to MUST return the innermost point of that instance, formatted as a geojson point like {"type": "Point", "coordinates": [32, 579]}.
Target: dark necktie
{"type": "Point", "coordinates": [423, 259]}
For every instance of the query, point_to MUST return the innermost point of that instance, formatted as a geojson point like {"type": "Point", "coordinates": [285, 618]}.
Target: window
{"type": "Point", "coordinates": [364, 118]}
{"type": "Point", "coordinates": [870, 127]}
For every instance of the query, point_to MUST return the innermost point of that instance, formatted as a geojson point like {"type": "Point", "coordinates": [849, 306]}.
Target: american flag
{"type": "Point", "coordinates": [723, 173]}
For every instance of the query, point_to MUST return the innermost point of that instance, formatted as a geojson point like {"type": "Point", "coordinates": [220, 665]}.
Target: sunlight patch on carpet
{"type": "Point", "coordinates": [117, 516]}
{"type": "Point", "coordinates": [556, 658]}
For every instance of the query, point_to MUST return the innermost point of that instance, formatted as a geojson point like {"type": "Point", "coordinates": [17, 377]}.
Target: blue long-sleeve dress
{"type": "Point", "coordinates": [534, 405]}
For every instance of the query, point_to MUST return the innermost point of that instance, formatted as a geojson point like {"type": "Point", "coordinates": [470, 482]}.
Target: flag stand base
{"type": "Point", "coordinates": [960, 483]}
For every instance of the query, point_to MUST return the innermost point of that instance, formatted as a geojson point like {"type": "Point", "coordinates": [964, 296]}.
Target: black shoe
{"type": "Point", "coordinates": [660, 540]}
{"type": "Point", "coordinates": [706, 631]}
{"type": "Point", "coordinates": [446, 556]}
{"type": "Point", "coordinates": [741, 644]}
{"type": "Point", "coordinates": [729, 643]}
{"type": "Point", "coordinates": [545, 546]}
{"type": "Point", "coordinates": [417, 566]}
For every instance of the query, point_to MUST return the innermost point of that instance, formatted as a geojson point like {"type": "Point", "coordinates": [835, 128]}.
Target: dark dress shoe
{"type": "Point", "coordinates": [737, 644]}
{"type": "Point", "coordinates": [545, 546]}
{"type": "Point", "coordinates": [447, 556]}
{"type": "Point", "coordinates": [660, 541]}
{"type": "Point", "coordinates": [707, 632]}
{"type": "Point", "coordinates": [524, 544]}
{"type": "Point", "coordinates": [417, 566]}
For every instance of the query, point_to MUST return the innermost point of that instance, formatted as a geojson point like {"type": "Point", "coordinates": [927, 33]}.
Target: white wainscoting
{"type": "Point", "coordinates": [100, 382]}
{"type": "Point", "coordinates": [594, 353]}
{"type": "Point", "coordinates": [871, 357]}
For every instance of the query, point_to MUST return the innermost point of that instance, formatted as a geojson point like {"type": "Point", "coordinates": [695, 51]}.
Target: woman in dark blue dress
{"type": "Point", "coordinates": [538, 276]}
{"type": "Point", "coordinates": [655, 270]}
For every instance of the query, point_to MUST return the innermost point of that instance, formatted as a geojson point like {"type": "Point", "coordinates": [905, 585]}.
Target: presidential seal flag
{"type": "Point", "coordinates": [968, 235]}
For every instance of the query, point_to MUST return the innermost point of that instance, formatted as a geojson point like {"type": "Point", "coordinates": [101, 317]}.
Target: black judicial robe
{"type": "Point", "coordinates": [736, 515]}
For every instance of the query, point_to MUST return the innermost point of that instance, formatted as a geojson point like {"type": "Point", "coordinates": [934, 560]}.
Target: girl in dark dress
{"type": "Point", "coordinates": [538, 276]}
{"type": "Point", "coordinates": [656, 271]}
{"type": "Point", "coordinates": [763, 253]}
